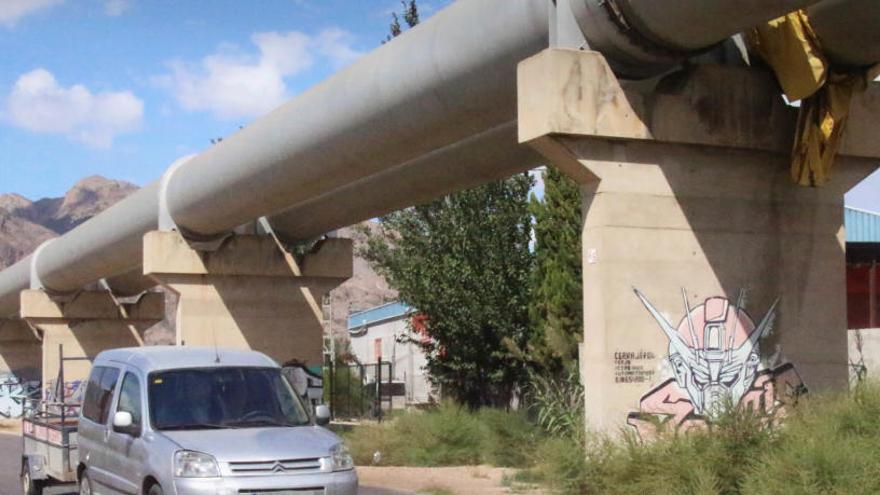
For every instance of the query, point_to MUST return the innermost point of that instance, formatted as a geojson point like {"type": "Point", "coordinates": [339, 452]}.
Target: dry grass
{"type": "Point", "coordinates": [10, 425]}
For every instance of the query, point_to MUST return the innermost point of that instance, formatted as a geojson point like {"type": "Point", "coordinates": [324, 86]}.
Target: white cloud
{"type": "Point", "coordinates": [38, 103]}
{"type": "Point", "coordinates": [13, 10]}
{"type": "Point", "coordinates": [232, 84]}
{"type": "Point", "coordinates": [336, 45]}
{"type": "Point", "coordinates": [115, 8]}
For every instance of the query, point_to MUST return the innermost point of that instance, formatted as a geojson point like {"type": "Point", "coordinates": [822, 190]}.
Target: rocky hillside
{"type": "Point", "coordinates": [25, 224]}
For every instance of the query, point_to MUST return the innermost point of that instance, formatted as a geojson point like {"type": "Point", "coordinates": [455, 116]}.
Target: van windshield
{"type": "Point", "coordinates": [224, 397]}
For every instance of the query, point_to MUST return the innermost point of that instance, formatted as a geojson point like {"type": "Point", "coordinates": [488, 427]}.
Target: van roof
{"type": "Point", "coordinates": [155, 358]}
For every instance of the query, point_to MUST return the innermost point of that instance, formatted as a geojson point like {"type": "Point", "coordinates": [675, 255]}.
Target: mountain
{"type": "Point", "coordinates": [19, 237]}
{"type": "Point", "coordinates": [25, 224]}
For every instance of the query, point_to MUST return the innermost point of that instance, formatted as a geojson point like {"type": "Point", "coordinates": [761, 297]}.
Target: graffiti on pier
{"type": "Point", "coordinates": [14, 392]}
{"type": "Point", "coordinates": [714, 357]}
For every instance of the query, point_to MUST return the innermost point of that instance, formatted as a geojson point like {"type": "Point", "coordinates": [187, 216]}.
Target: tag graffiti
{"type": "Point", "coordinates": [13, 393]}
{"type": "Point", "coordinates": [714, 355]}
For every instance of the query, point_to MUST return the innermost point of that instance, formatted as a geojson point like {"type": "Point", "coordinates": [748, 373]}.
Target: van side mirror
{"type": "Point", "coordinates": [124, 423]}
{"type": "Point", "coordinates": [322, 415]}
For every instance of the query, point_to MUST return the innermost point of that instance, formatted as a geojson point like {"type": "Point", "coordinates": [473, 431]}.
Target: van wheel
{"type": "Point", "coordinates": [29, 485]}
{"type": "Point", "coordinates": [155, 489]}
{"type": "Point", "coordinates": [85, 484]}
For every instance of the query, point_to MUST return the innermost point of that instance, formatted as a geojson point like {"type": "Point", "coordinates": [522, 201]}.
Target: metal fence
{"type": "Point", "coordinates": [359, 391]}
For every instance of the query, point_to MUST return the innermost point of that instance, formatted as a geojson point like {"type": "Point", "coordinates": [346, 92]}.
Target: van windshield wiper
{"type": "Point", "coordinates": [196, 426]}
{"type": "Point", "coordinates": [264, 422]}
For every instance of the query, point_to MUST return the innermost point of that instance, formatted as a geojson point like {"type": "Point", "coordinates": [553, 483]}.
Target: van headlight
{"type": "Point", "coordinates": [189, 464]}
{"type": "Point", "coordinates": [340, 458]}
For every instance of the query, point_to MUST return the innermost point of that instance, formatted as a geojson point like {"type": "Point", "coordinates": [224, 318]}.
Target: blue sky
{"type": "Point", "coordinates": [122, 88]}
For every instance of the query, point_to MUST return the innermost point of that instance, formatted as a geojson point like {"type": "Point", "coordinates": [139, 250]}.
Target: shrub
{"type": "Point", "coordinates": [825, 445]}
{"type": "Point", "coordinates": [449, 435]}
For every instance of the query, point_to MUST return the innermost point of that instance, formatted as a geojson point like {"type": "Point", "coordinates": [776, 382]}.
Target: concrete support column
{"type": "Point", "coordinates": [84, 325]}
{"type": "Point", "coordinates": [20, 362]}
{"type": "Point", "coordinates": [249, 293]}
{"type": "Point", "coordinates": [708, 274]}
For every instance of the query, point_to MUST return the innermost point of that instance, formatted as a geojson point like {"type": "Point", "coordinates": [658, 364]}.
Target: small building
{"type": "Point", "coordinates": [385, 333]}
{"type": "Point", "coordinates": [863, 289]}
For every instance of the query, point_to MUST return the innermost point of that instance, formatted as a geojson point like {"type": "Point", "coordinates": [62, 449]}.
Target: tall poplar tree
{"type": "Point", "coordinates": [556, 307]}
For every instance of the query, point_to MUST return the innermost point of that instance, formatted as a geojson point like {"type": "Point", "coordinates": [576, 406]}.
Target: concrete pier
{"type": "Point", "coordinates": [249, 293]}
{"type": "Point", "coordinates": [85, 324]}
{"type": "Point", "coordinates": [708, 274]}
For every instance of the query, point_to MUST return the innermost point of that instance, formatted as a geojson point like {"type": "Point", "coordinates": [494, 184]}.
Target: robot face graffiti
{"type": "Point", "coordinates": [714, 350]}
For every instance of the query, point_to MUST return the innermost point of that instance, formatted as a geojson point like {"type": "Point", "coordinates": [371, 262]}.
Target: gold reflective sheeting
{"type": "Point", "coordinates": [790, 46]}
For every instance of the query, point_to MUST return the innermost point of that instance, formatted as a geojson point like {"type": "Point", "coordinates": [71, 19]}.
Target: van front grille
{"type": "Point", "coordinates": [289, 466]}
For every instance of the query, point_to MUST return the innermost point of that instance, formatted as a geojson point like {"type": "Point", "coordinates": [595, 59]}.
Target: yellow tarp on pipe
{"type": "Point", "coordinates": [790, 46]}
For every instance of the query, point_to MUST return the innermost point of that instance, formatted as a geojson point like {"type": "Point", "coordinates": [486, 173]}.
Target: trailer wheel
{"type": "Point", "coordinates": [29, 485]}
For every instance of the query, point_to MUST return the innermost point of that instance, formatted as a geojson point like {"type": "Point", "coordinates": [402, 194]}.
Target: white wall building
{"type": "Point", "coordinates": [383, 333]}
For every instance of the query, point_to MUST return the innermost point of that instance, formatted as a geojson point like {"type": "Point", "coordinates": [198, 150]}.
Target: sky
{"type": "Point", "coordinates": [122, 88]}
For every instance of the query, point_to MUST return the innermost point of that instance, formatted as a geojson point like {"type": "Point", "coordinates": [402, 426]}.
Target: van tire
{"type": "Point", "coordinates": [155, 489]}
{"type": "Point", "coordinates": [85, 484]}
{"type": "Point", "coordinates": [29, 485]}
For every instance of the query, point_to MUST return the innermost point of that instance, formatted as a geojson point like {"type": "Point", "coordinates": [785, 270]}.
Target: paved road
{"type": "Point", "coordinates": [10, 465]}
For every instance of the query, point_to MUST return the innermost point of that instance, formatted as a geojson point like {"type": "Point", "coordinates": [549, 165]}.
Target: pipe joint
{"type": "Point", "coordinates": [36, 283]}
{"type": "Point", "coordinates": [166, 219]}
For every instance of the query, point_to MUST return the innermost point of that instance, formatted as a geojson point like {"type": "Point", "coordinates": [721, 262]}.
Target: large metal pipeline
{"type": "Point", "coordinates": [848, 30]}
{"type": "Point", "coordinates": [450, 79]}
{"type": "Point", "coordinates": [642, 37]}
{"type": "Point", "coordinates": [488, 156]}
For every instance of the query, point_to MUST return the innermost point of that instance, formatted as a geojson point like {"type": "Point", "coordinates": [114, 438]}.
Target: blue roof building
{"type": "Point", "coordinates": [861, 225]}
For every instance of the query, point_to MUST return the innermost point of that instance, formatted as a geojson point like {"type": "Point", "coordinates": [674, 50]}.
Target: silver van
{"type": "Point", "coordinates": [186, 420]}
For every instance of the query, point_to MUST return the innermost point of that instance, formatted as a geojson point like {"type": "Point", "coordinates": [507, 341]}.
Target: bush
{"type": "Point", "coordinates": [449, 435]}
{"type": "Point", "coordinates": [826, 445]}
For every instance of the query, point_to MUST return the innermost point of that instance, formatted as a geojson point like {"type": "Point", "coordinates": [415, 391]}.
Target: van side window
{"type": "Point", "coordinates": [130, 399]}
{"type": "Point", "coordinates": [99, 393]}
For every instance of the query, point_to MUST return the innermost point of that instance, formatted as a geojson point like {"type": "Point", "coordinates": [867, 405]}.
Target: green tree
{"type": "Point", "coordinates": [556, 307]}
{"type": "Point", "coordinates": [464, 262]}
{"type": "Point", "coordinates": [410, 17]}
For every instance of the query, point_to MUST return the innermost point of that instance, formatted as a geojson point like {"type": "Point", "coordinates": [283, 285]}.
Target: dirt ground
{"type": "Point", "coordinates": [464, 480]}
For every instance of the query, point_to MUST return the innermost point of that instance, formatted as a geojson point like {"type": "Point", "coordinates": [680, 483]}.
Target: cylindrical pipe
{"type": "Point", "coordinates": [642, 38]}
{"type": "Point", "coordinates": [488, 156]}
{"type": "Point", "coordinates": [107, 245]}
{"type": "Point", "coordinates": [848, 30]}
{"type": "Point", "coordinates": [13, 280]}
{"type": "Point", "coordinates": [690, 25]}
{"type": "Point", "coordinates": [450, 78]}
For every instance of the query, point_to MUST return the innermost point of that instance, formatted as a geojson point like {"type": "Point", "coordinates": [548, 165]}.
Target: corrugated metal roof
{"type": "Point", "coordinates": [861, 225]}
{"type": "Point", "coordinates": [380, 313]}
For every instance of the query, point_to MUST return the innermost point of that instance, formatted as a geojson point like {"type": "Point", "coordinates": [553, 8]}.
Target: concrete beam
{"type": "Point", "coordinates": [39, 307]}
{"type": "Point", "coordinates": [249, 293]}
{"type": "Point", "coordinates": [687, 199]}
